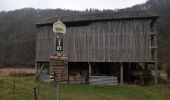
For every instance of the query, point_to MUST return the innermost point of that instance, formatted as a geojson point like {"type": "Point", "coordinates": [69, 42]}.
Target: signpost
{"type": "Point", "coordinates": [59, 29]}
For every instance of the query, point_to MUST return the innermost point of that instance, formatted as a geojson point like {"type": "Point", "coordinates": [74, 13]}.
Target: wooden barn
{"type": "Point", "coordinates": [99, 48]}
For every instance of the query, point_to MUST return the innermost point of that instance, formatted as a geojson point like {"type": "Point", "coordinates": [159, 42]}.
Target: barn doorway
{"type": "Point", "coordinates": [104, 69]}
{"type": "Point", "coordinates": [97, 69]}
{"type": "Point", "coordinates": [80, 72]}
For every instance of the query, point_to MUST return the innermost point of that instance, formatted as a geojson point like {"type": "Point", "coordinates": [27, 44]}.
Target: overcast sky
{"type": "Point", "coordinates": [67, 4]}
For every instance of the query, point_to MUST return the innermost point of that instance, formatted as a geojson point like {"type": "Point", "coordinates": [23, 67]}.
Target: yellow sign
{"type": "Point", "coordinates": [59, 27]}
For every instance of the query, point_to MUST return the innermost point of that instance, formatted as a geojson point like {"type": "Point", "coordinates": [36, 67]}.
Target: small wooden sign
{"type": "Point", "coordinates": [59, 45]}
{"type": "Point", "coordinates": [59, 27]}
{"type": "Point", "coordinates": [59, 65]}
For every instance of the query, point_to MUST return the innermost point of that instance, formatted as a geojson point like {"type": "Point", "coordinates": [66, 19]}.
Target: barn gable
{"type": "Point", "coordinates": [101, 37]}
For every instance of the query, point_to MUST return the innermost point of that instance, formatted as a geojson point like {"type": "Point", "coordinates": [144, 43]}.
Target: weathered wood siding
{"type": "Point", "coordinates": [104, 41]}
{"type": "Point", "coordinates": [44, 45]}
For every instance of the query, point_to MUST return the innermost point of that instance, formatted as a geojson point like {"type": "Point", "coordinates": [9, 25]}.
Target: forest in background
{"type": "Point", "coordinates": [18, 30]}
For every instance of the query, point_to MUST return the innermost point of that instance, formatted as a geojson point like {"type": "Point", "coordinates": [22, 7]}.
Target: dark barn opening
{"type": "Point", "coordinates": [78, 72]}
{"type": "Point", "coordinates": [102, 69]}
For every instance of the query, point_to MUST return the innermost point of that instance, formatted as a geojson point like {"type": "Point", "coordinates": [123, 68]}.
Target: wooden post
{"type": "Point", "coordinates": [146, 66]}
{"type": "Point", "coordinates": [156, 73]}
{"type": "Point", "coordinates": [155, 51]}
{"type": "Point", "coordinates": [14, 90]}
{"type": "Point", "coordinates": [57, 90]}
{"type": "Point", "coordinates": [35, 94]}
{"type": "Point", "coordinates": [89, 69]}
{"type": "Point", "coordinates": [0, 85]}
{"type": "Point", "coordinates": [36, 74]}
{"type": "Point", "coordinates": [121, 73]}
{"type": "Point", "coordinates": [129, 71]}
{"type": "Point", "coordinates": [68, 75]}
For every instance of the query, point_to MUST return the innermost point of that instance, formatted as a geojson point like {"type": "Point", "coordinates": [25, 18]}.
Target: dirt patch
{"type": "Point", "coordinates": [8, 71]}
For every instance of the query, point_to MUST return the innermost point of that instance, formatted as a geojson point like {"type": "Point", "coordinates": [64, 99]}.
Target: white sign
{"type": "Point", "coordinates": [59, 27]}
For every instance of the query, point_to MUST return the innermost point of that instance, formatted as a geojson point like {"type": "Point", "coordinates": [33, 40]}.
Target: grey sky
{"type": "Point", "coordinates": [67, 4]}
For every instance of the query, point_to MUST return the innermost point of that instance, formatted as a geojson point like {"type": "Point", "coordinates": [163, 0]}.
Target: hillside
{"type": "Point", "coordinates": [17, 31]}
{"type": "Point", "coordinates": [17, 34]}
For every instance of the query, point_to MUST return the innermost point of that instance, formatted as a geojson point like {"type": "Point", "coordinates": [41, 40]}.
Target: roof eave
{"type": "Point", "coordinates": [99, 19]}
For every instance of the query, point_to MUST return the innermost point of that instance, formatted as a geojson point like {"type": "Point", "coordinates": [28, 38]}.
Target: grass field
{"type": "Point", "coordinates": [18, 70]}
{"type": "Point", "coordinates": [24, 91]}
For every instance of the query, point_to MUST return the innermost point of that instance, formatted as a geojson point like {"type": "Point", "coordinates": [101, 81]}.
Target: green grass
{"type": "Point", "coordinates": [25, 85]}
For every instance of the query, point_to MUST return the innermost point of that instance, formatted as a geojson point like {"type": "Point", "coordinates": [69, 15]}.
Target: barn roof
{"type": "Point", "coordinates": [101, 16]}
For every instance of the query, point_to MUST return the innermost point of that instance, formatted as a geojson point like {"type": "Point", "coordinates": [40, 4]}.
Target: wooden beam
{"type": "Point", "coordinates": [39, 72]}
{"type": "Point", "coordinates": [89, 69]}
{"type": "Point", "coordinates": [121, 73]}
{"type": "Point", "coordinates": [156, 53]}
